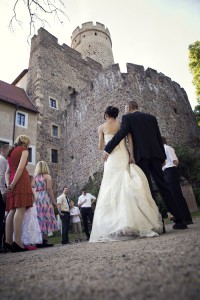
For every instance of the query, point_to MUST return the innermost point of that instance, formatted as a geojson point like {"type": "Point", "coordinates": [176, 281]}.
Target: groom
{"type": "Point", "coordinates": [149, 153]}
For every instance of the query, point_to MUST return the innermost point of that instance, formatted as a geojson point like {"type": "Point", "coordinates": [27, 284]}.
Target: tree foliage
{"type": "Point", "coordinates": [197, 113]}
{"type": "Point", "coordinates": [194, 65]}
{"type": "Point", "coordinates": [37, 11]}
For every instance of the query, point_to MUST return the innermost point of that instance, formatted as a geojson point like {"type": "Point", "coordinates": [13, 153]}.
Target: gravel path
{"type": "Point", "coordinates": [165, 267]}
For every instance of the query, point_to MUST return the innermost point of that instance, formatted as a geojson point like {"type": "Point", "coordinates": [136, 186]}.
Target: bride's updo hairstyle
{"type": "Point", "coordinates": [112, 112]}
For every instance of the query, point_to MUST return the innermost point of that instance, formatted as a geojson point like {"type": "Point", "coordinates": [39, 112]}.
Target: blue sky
{"type": "Point", "coordinates": [152, 33]}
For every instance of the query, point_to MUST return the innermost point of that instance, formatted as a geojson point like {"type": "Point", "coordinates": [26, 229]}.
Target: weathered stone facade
{"type": "Point", "coordinates": [83, 89]}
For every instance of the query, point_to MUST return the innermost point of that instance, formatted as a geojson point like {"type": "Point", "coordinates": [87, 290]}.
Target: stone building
{"type": "Point", "coordinates": [71, 89]}
{"type": "Point", "coordinates": [18, 116]}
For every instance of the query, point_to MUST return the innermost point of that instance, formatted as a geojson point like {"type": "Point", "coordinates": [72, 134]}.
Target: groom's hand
{"type": "Point", "coordinates": [105, 155]}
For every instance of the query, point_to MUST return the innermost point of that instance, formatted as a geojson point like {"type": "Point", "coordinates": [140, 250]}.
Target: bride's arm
{"type": "Point", "coordinates": [101, 138]}
{"type": "Point", "coordinates": [130, 141]}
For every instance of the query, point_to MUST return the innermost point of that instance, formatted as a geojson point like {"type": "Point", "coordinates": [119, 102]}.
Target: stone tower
{"type": "Point", "coordinates": [93, 41]}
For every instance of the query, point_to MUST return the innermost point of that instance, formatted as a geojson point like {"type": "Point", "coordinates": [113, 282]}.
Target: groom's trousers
{"type": "Point", "coordinates": [153, 167]}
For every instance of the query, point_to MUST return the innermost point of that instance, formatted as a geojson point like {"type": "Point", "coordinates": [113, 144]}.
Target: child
{"type": "Point", "coordinates": [76, 221]}
{"type": "Point", "coordinates": [31, 233]}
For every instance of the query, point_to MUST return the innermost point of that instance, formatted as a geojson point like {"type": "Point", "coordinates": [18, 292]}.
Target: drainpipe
{"type": "Point", "coordinates": [16, 108]}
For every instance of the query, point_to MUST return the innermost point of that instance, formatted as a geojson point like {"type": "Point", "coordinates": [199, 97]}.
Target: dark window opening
{"type": "Point", "coordinates": [20, 119]}
{"type": "Point", "coordinates": [55, 130]}
{"type": "Point", "coordinates": [3, 143]}
{"type": "Point", "coordinates": [175, 110]}
{"type": "Point", "coordinates": [54, 156]}
{"type": "Point", "coordinates": [53, 103]}
{"type": "Point", "coordinates": [95, 33]}
{"type": "Point", "coordinates": [29, 154]}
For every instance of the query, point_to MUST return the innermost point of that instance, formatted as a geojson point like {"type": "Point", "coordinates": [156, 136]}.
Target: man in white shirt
{"type": "Point", "coordinates": [172, 179]}
{"type": "Point", "coordinates": [64, 212]}
{"type": "Point", "coordinates": [3, 166]}
{"type": "Point", "coordinates": [85, 204]}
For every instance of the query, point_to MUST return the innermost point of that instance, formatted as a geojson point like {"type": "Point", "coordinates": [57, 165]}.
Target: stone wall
{"type": "Point", "coordinates": [155, 94]}
{"type": "Point", "coordinates": [83, 90]}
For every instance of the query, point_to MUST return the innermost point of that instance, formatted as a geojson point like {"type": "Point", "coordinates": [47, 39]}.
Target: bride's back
{"type": "Point", "coordinates": [111, 127]}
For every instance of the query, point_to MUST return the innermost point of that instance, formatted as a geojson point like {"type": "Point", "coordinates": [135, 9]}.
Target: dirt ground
{"type": "Point", "coordinates": [164, 267]}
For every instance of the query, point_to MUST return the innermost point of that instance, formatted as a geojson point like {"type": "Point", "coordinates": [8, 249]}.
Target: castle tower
{"type": "Point", "coordinates": [93, 41]}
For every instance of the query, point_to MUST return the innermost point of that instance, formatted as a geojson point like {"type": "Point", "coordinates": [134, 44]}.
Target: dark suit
{"type": "Point", "coordinates": [149, 152]}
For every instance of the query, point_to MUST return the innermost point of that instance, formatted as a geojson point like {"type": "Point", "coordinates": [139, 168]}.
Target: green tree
{"type": "Point", "coordinates": [194, 65]}
{"type": "Point", "coordinates": [197, 113]}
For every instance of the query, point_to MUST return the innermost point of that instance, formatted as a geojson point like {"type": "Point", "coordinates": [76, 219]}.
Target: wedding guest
{"type": "Point", "coordinates": [171, 174]}
{"type": "Point", "coordinates": [64, 212]}
{"type": "Point", "coordinates": [45, 202]}
{"type": "Point", "coordinates": [31, 233]}
{"type": "Point", "coordinates": [3, 166]}
{"type": "Point", "coordinates": [76, 221]}
{"type": "Point", "coordinates": [19, 196]}
{"type": "Point", "coordinates": [85, 202]}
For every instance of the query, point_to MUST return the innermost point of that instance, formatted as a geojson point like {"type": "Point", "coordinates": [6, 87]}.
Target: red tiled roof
{"type": "Point", "coordinates": [15, 95]}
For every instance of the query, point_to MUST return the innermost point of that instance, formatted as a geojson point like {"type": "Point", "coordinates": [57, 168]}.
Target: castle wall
{"type": "Point", "coordinates": [57, 72]}
{"type": "Point", "coordinates": [83, 90]}
{"type": "Point", "coordinates": [155, 93]}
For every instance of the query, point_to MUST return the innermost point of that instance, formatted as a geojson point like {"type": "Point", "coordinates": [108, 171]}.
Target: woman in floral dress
{"type": "Point", "coordinates": [45, 201]}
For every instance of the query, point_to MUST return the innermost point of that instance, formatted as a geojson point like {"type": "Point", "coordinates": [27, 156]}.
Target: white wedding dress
{"type": "Point", "coordinates": [125, 208]}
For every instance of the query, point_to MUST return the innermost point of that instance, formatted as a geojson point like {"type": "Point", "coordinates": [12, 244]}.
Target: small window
{"type": "Point", "coordinates": [21, 119]}
{"type": "Point", "coordinates": [175, 110]}
{"type": "Point", "coordinates": [30, 154]}
{"type": "Point", "coordinates": [53, 103]}
{"type": "Point", "coordinates": [54, 156]}
{"type": "Point", "coordinates": [55, 130]}
{"type": "Point", "coordinates": [95, 33]}
{"type": "Point", "coordinates": [3, 143]}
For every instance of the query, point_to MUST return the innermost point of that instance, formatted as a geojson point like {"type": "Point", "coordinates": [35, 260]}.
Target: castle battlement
{"type": "Point", "coordinates": [88, 26]}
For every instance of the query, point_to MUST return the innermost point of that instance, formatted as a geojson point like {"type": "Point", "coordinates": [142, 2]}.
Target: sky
{"type": "Point", "coordinates": [152, 33]}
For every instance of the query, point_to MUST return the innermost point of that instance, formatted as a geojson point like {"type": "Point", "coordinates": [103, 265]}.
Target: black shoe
{"type": "Point", "coordinates": [66, 243]}
{"type": "Point", "coordinates": [17, 248]}
{"type": "Point", "coordinates": [8, 248]}
{"type": "Point", "coordinates": [180, 226]}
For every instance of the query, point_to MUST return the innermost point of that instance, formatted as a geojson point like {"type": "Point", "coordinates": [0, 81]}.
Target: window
{"type": "Point", "coordinates": [21, 119]}
{"type": "Point", "coordinates": [53, 103]}
{"type": "Point", "coordinates": [3, 143]}
{"type": "Point", "coordinates": [54, 156]}
{"type": "Point", "coordinates": [55, 130]}
{"type": "Point", "coordinates": [31, 155]}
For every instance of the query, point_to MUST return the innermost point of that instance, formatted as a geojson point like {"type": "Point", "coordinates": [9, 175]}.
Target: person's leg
{"type": "Point", "coordinates": [173, 181]}
{"type": "Point", "coordinates": [9, 227]}
{"type": "Point", "coordinates": [79, 228]}
{"type": "Point", "coordinates": [2, 215]}
{"type": "Point", "coordinates": [144, 165]}
{"type": "Point", "coordinates": [75, 230]}
{"type": "Point", "coordinates": [158, 176]}
{"type": "Point", "coordinates": [90, 215]}
{"type": "Point", "coordinates": [85, 221]}
{"type": "Point", "coordinates": [65, 227]}
{"type": "Point", "coordinates": [17, 224]}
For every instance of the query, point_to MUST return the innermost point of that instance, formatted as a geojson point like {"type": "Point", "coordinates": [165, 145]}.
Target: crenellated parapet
{"type": "Point", "coordinates": [93, 41]}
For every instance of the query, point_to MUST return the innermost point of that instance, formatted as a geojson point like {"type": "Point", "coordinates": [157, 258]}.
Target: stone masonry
{"type": "Point", "coordinates": [83, 88]}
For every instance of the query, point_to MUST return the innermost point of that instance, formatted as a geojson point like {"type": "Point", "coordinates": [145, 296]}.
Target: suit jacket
{"type": "Point", "coordinates": [146, 136]}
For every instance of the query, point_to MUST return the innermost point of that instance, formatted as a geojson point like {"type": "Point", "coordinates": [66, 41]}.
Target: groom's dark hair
{"type": "Point", "coordinates": [133, 105]}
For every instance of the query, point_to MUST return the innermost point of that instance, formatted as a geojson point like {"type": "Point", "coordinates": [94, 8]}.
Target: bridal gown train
{"type": "Point", "coordinates": [125, 208]}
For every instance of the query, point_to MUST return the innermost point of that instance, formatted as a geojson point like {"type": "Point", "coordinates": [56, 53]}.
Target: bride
{"type": "Point", "coordinates": [125, 208]}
